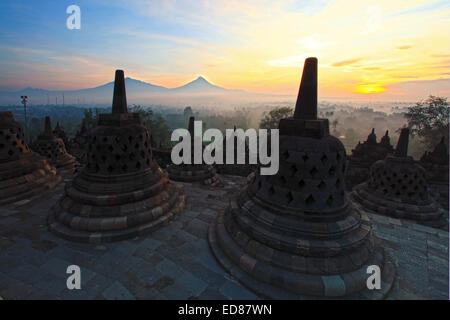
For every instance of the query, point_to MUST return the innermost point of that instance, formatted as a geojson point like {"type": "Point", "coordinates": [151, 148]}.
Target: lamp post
{"type": "Point", "coordinates": [24, 102]}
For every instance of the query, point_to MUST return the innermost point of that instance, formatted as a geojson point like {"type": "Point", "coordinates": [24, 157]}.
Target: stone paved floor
{"type": "Point", "coordinates": [176, 262]}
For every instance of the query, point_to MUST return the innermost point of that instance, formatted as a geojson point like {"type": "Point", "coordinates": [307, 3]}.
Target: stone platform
{"type": "Point", "coordinates": [176, 262]}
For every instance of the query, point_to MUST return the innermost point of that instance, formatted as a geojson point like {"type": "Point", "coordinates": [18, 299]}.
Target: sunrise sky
{"type": "Point", "coordinates": [373, 49]}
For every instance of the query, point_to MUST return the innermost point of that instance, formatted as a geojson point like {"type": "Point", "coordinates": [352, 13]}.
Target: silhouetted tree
{"type": "Point", "coordinates": [89, 119]}
{"type": "Point", "coordinates": [429, 119]}
{"type": "Point", "coordinates": [270, 120]}
{"type": "Point", "coordinates": [158, 127]}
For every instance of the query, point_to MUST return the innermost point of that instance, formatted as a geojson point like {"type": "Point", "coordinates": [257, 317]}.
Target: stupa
{"type": "Point", "coordinates": [184, 172]}
{"type": "Point", "coordinates": [60, 133]}
{"type": "Point", "coordinates": [386, 143]}
{"type": "Point", "coordinates": [294, 235]}
{"type": "Point", "coordinates": [398, 187]}
{"type": "Point", "coordinates": [364, 155]}
{"type": "Point", "coordinates": [436, 166]}
{"type": "Point", "coordinates": [79, 144]}
{"type": "Point", "coordinates": [83, 134]}
{"type": "Point", "coordinates": [23, 173]}
{"type": "Point", "coordinates": [53, 148]}
{"type": "Point", "coordinates": [121, 192]}
{"type": "Point", "coordinates": [236, 169]}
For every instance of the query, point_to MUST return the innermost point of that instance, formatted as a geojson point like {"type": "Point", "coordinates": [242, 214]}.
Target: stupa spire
{"type": "Point", "coordinates": [120, 96]}
{"type": "Point", "coordinates": [306, 106]}
{"type": "Point", "coordinates": [191, 126]}
{"type": "Point", "coordinates": [372, 138]}
{"type": "Point", "coordinates": [193, 172]}
{"type": "Point", "coordinates": [402, 145]}
{"type": "Point", "coordinates": [48, 132]}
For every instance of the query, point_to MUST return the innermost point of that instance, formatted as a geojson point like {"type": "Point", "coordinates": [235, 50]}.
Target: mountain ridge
{"type": "Point", "coordinates": [199, 84]}
{"type": "Point", "coordinates": [137, 90]}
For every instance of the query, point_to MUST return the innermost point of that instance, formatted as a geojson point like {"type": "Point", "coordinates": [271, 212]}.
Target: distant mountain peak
{"type": "Point", "coordinates": [200, 78]}
{"type": "Point", "coordinates": [198, 85]}
{"type": "Point", "coordinates": [132, 79]}
{"type": "Point", "coordinates": [102, 93]}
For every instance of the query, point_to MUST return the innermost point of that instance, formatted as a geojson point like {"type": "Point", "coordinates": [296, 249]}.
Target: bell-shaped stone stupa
{"type": "Point", "coordinates": [193, 172]}
{"type": "Point", "coordinates": [53, 148]}
{"type": "Point", "coordinates": [436, 166]}
{"type": "Point", "coordinates": [364, 155]}
{"type": "Point", "coordinates": [294, 234]}
{"type": "Point", "coordinates": [121, 192]}
{"type": "Point", "coordinates": [60, 133]}
{"type": "Point", "coordinates": [80, 143]}
{"type": "Point", "coordinates": [397, 187]}
{"type": "Point", "coordinates": [23, 173]}
{"type": "Point", "coordinates": [244, 169]}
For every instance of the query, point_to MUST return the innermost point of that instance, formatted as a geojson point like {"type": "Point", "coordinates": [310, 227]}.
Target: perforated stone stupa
{"type": "Point", "coordinates": [364, 155]}
{"type": "Point", "coordinates": [294, 234]}
{"type": "Point", "coordinates": [398, 187]}
{"type": "Point", "coordinates": [193, 172]}
{"type": "Point", "coordinates": [236, 169]}
{"type": "Point", "coordinates": [53, 148]}
{"type": "Point", "coordinates": [79, 144]}
{"type": "Point", "coordinates": [436, 166]}
{"type": "Point", "coordinates": [23, 173]}
{"type": "Point", "coordinates": [121, 192]}
{"type": "Point", "coordinates": [60, 133]}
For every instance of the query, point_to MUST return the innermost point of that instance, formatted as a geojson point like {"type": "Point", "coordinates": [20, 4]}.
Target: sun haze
{"type": "Point", "coordinates": [387, 49]}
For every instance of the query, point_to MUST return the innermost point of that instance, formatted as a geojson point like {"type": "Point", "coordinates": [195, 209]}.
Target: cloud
{"type": "Point", "coordinates": [345, 62]}
{"type": "Point", "coordinates": [57, 69]}
{"type": "Point", "coordinates": [291, 61]}
{"type": "Point", "coordinates": [373, 19]}
{"type": "Point", "coordinates": [405, 47]}
{"type": "Point", "coordinates": [315, 43]}
{"type": "Point", "coordinates": [372, 68]}
{"type": "Point", "coordinates": [156, 36]}
{"type": "Point", "coordinates": [440, 55]}
{"type": "Point", "coordinates": [310, 46]}
{"type": "Point", "coordinates": [421, 88]}
{"type": "Point", "coordinates": [257, 45]}
{"type": "Point", "coordinates": [406, 76]}
{"type": "Point", "coordinates": [437, 5]}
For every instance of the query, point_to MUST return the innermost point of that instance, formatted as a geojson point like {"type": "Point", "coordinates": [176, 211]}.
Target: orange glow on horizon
{"type": "Point", "coordinates": [368, 51]}
{"type": "Point", "coordinates": [369, 88]}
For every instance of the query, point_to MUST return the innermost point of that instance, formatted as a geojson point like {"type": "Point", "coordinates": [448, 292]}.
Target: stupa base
{"type": "Point", "coordinates": [57, 223]}
{"type": "Point", "coordinates": [442, 195]}
{"type": "Point", "coordinates": [267, 280]}
{"type": "Point", "coordinates": [29, 185]}
{"type": "Point", "coordinates": [190, 173]}
{"type": "Point", "coordinates": [430, 214]}
{"type": "Point", "coordinates": [67, 164]}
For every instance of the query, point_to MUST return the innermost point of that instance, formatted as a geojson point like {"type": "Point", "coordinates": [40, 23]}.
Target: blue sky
{"type": "Point", "coordinates": [363, 48]}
